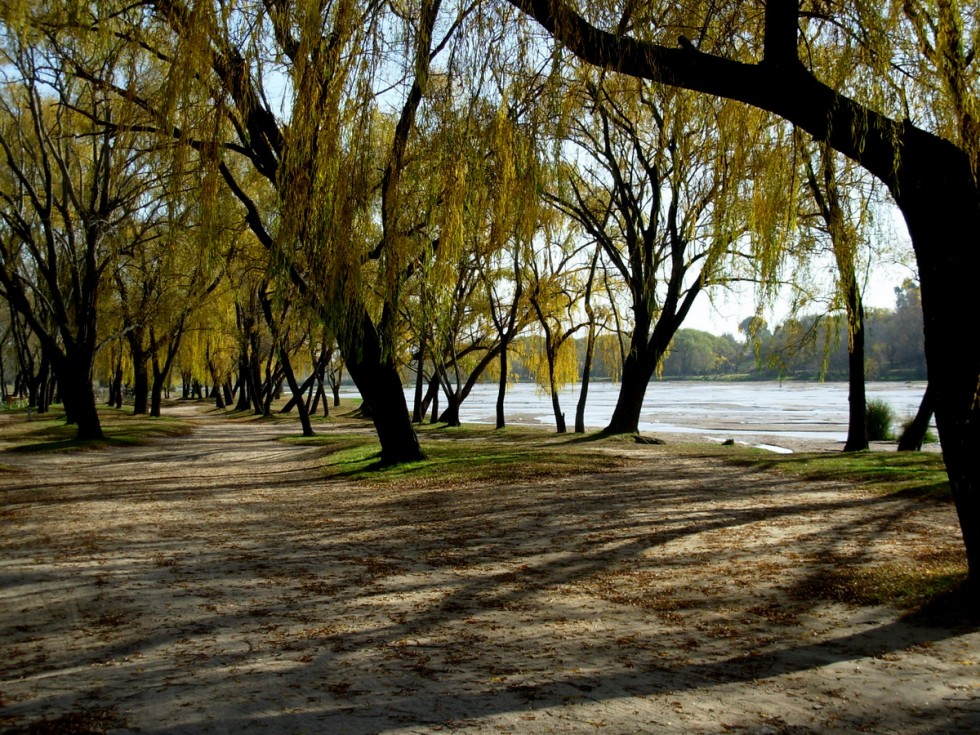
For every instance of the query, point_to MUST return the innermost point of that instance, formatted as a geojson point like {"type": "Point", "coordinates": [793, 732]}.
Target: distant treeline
{"type": "Point", "coordinates": [806, 348]}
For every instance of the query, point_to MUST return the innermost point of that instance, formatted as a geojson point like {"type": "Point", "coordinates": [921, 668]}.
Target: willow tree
{"type": "Point", "coordinates": [844, 211]}
{"type": "Point", "coordinates": [652, 179]}
{"type": "Point", "coordinates": [908, 114]}
{"type": "Point", "coordinates": [68, 190]}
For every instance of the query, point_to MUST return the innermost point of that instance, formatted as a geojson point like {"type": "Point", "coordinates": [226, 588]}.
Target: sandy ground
{"type": "Point", "coordinates": [216, 583]}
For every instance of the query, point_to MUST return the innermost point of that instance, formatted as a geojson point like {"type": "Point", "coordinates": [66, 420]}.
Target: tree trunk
{"type": "Point", "coordinates": [304, 415]}
{"type": "Point", "coordinates": [938, 212]}
{"type": "Point", "coordinates": [583, 396]}
{"type": "Point", "coordinates": [42, 396]}
{"type": "Point", "coordinates": [141, 382]}
{"type": "Point", "coordinates": [637, 370]}
{"type": "Point", "coordinates": [502, 386]}
{"type": "Point", "coordinates": [376, 377]}
{"type": "Point", "coordinates": [915, 433]}
{"type": "Point", "coordinates": [304, 395]}
{"type": "Point", "coordinates": [559, 416]}
{"type": "Point", "coordinates": [857, 425]}
{"type": "Point", "coordinates": [418, 414]}
{"type": "Point", "coordinates": [74, 375]}
{"type": "Point", "coordinates": [450, 416]}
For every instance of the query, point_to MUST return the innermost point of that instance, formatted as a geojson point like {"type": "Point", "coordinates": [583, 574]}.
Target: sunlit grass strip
{"type": "Point", "coordinates": [913, 474]}
{"type": "Point", "coordinates": [466, 456]}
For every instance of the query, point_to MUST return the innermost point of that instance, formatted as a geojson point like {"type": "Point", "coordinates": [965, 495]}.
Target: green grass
{"type": "Point", "coordinates": [50, 433]}
{"type": "Point", "coordinates": [909, 474]}
{"type": "Point", "coordinates": [461, 455]}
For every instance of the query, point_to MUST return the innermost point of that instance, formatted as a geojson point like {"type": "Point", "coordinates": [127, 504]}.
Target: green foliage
{"type": "Point", "coordinates": [880, 418]}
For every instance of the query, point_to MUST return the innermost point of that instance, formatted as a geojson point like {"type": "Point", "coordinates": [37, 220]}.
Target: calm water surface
{"type": "Point", "coordinates": [713, 410]}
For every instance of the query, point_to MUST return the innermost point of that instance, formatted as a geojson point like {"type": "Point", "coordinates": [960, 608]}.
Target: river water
{"type": "Point", "coordinates": [713, 410]}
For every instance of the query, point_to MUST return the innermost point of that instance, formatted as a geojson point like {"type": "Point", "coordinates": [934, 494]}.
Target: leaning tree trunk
{"type": "Point", "coordinates": [376, 377]}
{"type": "Point", "coordinates": [141, 383]}
{"type": "Point", "coordinates": [637, 371]}
{"type": "Point", "coordinates": [638, 368]}
{"type": "Point", "coordinates": [915, 433]}
{"type": "Point", "coordinates": [304, 415]}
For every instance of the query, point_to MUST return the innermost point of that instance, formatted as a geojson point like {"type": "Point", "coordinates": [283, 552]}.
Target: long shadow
{"type": "Point", "coordinates": [355, 559]}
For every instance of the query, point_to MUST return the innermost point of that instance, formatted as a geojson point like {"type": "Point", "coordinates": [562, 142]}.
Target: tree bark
{"type": "Point", "coordinates": [583, 396]}
{"type": "Point", "coordinates": [141, 382]}
{"type": "Point", "coordinates": [637, 371]}
{"type": "Point", "coordinates": [857, 423]}
{"type": "Point", "coordinates": [73, 373]}
{"type": "Point", "coordinates": [376, 377]}
{"type": "Point", "coordinates": [915, 433]}
{"type": "Point", "coordinates": [502, 386]}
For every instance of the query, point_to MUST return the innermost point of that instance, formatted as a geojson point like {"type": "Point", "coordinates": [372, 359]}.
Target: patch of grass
{"type": "Point", "coordinates": [462, 455]}
{"type": "Point", "coordinates": [912, 586]}
{"type": "Point", "coordinates": [908, 474]}
{"type": "Point", "coordinates": [120, 428]}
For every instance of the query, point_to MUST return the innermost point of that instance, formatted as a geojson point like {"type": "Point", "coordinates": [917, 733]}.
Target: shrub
{"type": "Point", "coordinates": [879, 417]}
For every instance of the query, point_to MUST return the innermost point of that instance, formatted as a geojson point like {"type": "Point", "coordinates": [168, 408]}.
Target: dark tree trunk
{"type": "Point", "coordinates": [303, 396]}
{"type": "Point", "coordinates": [219, 401]}
{"type": "Point", "coordinates": [502, 386]}
{"type": "Point", "coordinates": [304, 415]}
{"type": "Point", "coordinates": [559, 416]}
{"type": "Point", "coordinates": [74, 375]}
{"type": "Point", "coordinates": [435, 405]}
{"type": "Point", "coordinates": [418, 413]}
{"type": "Point", "coordinates": [317, 394]}
{"type": "Point", "coordinates": [940, 205]}
{"type": "Point", "coordinates": [583, 396]}
{"type": "Point", "coordinates": [637, 371]}
{"type": "Point", "coordinates": [376, 377]}
{"type": "Point", "coordinates": [857, 425]}
{"type": "Point", "coordinates": [450, 415]}
{"type": "Point", "coordinates": [42, 389]}
{"type": "Point", "coordinates": [141, 382]}
{"type": "Point", "coordinates": [915, 433]}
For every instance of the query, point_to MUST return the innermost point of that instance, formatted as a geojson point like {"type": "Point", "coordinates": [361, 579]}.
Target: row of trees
{"type": "Point", "coordinates": [807, 347]}
{"type": "Point", "coordinates": [433, 178]}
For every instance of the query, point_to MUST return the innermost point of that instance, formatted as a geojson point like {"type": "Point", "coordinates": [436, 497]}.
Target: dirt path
{"type": "Point", "coordinates": [214, 583]}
